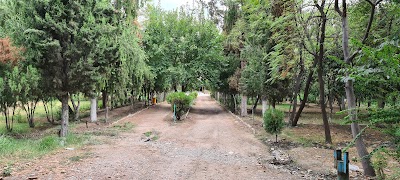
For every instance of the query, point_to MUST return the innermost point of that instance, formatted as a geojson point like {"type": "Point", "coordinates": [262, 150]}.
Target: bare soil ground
{"type": "Point", "coordinates": [305, 144]}
{"type": "Point", "coordinates": [209, 144]}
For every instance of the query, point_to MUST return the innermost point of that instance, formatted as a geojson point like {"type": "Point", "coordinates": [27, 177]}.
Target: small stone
{"type": "Point", "coordinates": [318, 156]}
{"type": "Point", "coordinates": [309, 171]}
{"type": "Point", "coordinates": [353, 168]}
{"type": "Point", "coordinates": [272, 149]}
{"type": "Point", "coordinates": [70, 149]}
{"type": "Point", "coordinates": [230, 152]}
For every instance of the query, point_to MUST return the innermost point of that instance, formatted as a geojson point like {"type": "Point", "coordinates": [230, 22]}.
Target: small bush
{"type": "Point", "coordinates": [182, 102]}
{"type": "Point", "coordinates": [273, 122]}
{"type": "Point", "coordinates": [193, 95]}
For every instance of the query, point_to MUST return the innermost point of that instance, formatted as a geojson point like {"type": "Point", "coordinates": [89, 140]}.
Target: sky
{"type": "Point", "coordinates": [172, 4]}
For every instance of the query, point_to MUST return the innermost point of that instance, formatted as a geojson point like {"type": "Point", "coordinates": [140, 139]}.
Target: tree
{"type": "Point", "coordinates": [9, 80]}
{"type": "Point", "coordinates": [349, 81]}
{"type": "Point", "coordinates": [319, 58]}
{"type": "Point", "coordinates": [182, 51]}
{"type": "Point", "coordinates": [273, 122]}
{"type": "Point", "coordinates": [59, 44]}
{"type": "Point", "coordinates": [30, 92]}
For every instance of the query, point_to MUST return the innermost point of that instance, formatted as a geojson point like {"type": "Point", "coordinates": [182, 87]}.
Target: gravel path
{"type": "Point", "coordinates": [209, 144]}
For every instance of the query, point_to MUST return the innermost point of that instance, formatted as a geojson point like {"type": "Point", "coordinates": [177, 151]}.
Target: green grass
{"type": "Point", "coordinates": [41, 113]}
{"type": "Point", "coordinates": [125, 127]}
{"type": "Point", "coordinates": [12, 149]}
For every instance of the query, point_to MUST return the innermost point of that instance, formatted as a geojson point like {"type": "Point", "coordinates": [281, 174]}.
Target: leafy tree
{"type": "Point", "coordinates": [59, 46]}
{"type": "Point", "coordinates": [182, 51]}
{"type": "Point", "coordinates": [349, 81]}
{"type": "Point", "coordinates": [30, 92]}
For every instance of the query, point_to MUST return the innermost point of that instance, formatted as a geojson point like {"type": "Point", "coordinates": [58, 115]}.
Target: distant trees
{"type": "Point", "coordinates": [182, 50]}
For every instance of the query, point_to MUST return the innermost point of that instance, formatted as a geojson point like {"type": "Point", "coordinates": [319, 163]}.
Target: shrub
{"type": "Point", "coordinates": [182, 102]}
{"type": "Point", "coordinates": [193, 95]}
{"type": "Point", "coordinates": [273, 122]}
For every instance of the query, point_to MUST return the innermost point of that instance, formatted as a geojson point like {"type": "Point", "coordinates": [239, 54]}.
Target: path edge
{"type": "Point", "coordinates": [236, 116]}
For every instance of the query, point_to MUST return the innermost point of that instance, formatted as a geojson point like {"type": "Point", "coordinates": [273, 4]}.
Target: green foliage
{"type": "Point", "coordinates": [48, 143]}
{"type": "Point", "coordinates": [388, 122]}
{"type": "Point", "coordinates": [379, 164]}
{"type": "Point", "coordinates": [181, 101]}
{"type": "Point", "coordinates": [182, 50]}
{"type": "Point", "coordinates": [273, 121]}
{"type": "Point", "coordinates": [193, 95]}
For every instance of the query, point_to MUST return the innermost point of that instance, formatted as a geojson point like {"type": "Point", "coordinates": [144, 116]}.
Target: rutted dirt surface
{"type": "Point", "coordinates": [208, 144]}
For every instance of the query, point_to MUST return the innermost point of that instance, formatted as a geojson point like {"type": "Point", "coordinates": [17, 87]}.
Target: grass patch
{"type": "Point", "coordinates": [153, 135]}
{"type": "Point", "coordinates": [103, 133]}
{"type": "Point", "coordinates": [12, 149]}
{"type": "Point", "coordinates": [125, 127]}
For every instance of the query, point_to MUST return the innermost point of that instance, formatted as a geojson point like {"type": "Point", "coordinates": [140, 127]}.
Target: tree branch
{"type": "Point", "coordinates": [337, 9]}
{"type": "Point", "coordinates": [368, 30]}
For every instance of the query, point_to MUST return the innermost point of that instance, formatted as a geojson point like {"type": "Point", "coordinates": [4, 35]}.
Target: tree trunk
{"type": "Point", "coordinates": [342, 104]}
{"type": "Point", "coordinates": [351, 98]}
{"type": "Point", "coordinates": [328, 138]}
{"type": "Point", "coordinates": [320, 57]}
{"type": "Point", "coordinates": [234, 103]}
{"type": "Point", "coordinates": [381, 103]}
{"type": "Point", "coordinates": [355, 129]}
{"type": "Point", "coordinates": [93, 109]}
{"type": "Point", "coordinates": [183, 88]}
{"type": "Point", "coordinates": [297, 87]}
{"type": "Point", "coordinates": [106, 114]}
{"type": "Point", "coordinates": [243, 108]}
{"type": "Point", "coordinates": [273, 103]}
{"type": "Point", "coordinates": [104, 95]}
{"type": "Point", "coordinates": [330, 100]}
{"type": "Point", "coordinates": [264, 102]}
{"type": "Point", "coordinates": [76, 107]}
{"type": "Point", "coordinates": [64, 116]}
{"type": "Point", "coordinates": [305, 96]}
{"type": "Point", "coordinates": [256, 103]}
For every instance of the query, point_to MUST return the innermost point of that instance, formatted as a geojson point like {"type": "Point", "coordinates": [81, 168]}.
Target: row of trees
{"type": "Point", "coordinates": [64, 48]}
{"type": "Point", "coordinates": [270, 50]}
{"type": "Point", "coordinates": [329, 49]}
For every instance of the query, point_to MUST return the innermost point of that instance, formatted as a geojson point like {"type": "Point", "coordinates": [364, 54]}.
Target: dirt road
{"type": "Point", "coordinates": [209, 144]}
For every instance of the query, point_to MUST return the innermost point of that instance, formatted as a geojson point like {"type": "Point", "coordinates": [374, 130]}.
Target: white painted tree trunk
{"type": "Point", "coordinates": [93, 109]}
{"type": "Point", "coordinates": [65, 116]}
{"type": "Point", "coordinates": [243, 108]}
{"type": "Point", "coordinates": [264, 106]}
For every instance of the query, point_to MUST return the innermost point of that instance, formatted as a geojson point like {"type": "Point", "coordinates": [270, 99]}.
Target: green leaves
{"type": "Point", "coordinates": [181, 50]}
{"type": "Point", "coordinates": [273, 121]}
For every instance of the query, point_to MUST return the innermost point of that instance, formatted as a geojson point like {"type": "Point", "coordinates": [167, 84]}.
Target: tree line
{"type": "Point", "coordinates": [322, 51]}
